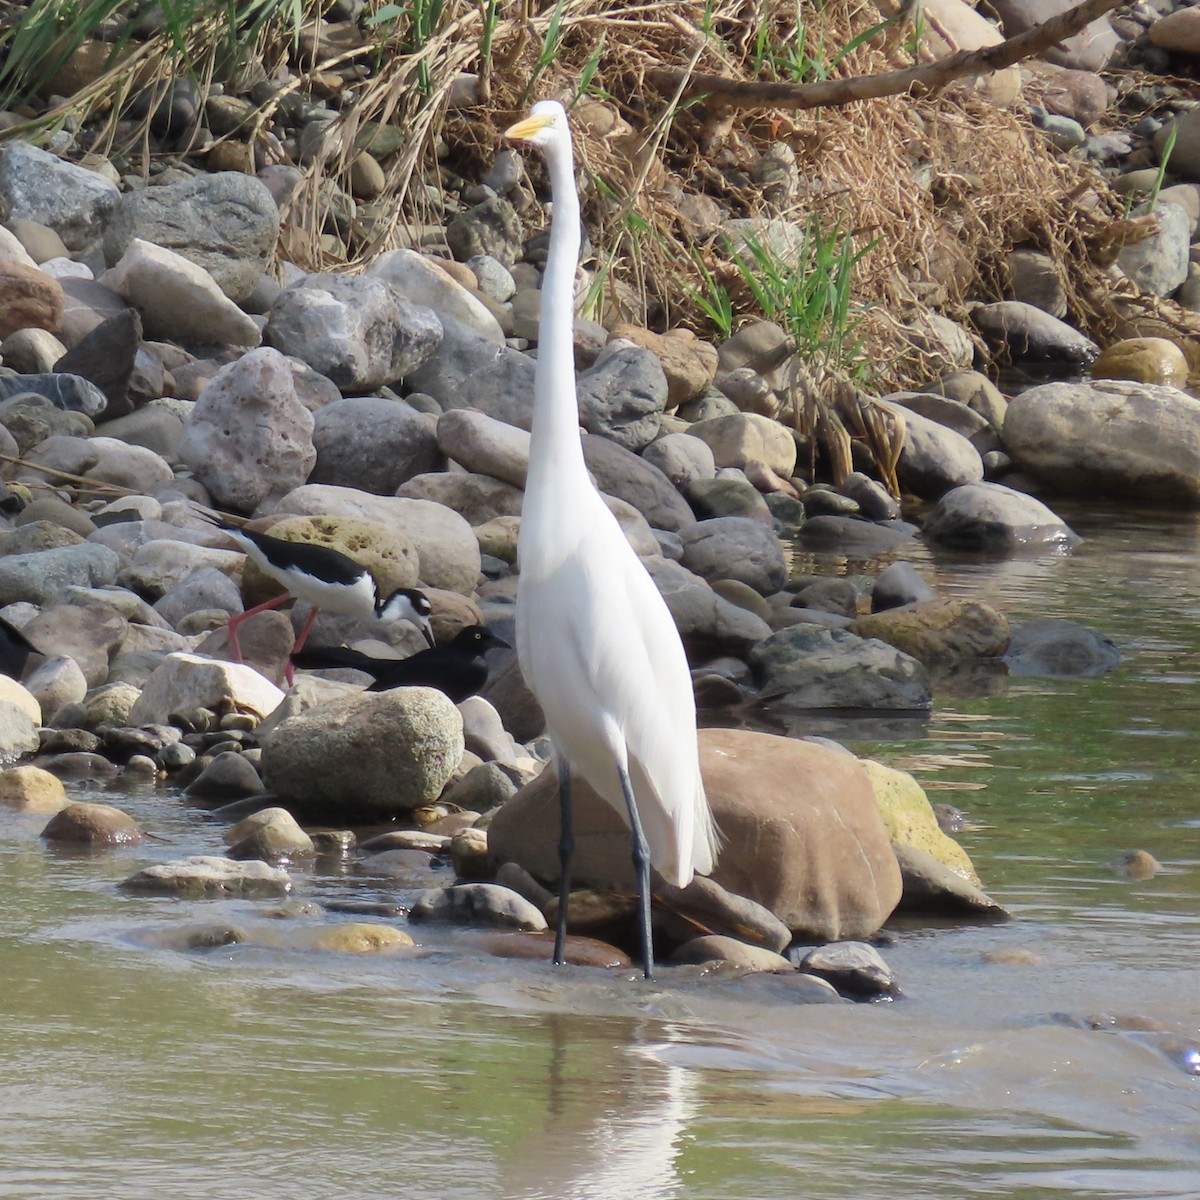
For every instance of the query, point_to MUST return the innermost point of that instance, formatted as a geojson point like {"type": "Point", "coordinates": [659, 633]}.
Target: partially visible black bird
{"type": "Point", "coordinates": [15, 649]}
{"type": "Point", "coordinates": [459, 668]}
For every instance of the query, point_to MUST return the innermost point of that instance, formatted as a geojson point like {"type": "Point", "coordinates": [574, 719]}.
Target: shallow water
{"type": "Point", "coordinates": [130, 1071]}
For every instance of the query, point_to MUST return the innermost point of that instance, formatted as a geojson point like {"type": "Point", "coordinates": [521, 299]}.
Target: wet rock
{"type": "Point", "coordinates": [933, 889]}
{"type": "Point", "coordinates": [354, 938]}
{"type": "Point", "coordinates": [833, 595]}
{"type": "Point", "coordinates": [31, 789]}
{"type": "Point", "coordinates": [1060, 649]}
{"type": "Point", "coordinates": [40, 576]}
{"type": "Point", "coordinates": [852, 537]}
{"type": "Point", "coordinates": [623, 396]}
{"type": "Point", "coordinates": [185, 682]}
{"type": "Point", "coordinates": [1143, 360]}
{"type": "Point", "coordinates": [706, 905]}
{"type": "Point", "coordinates": [735, 548]}
{"type": "Point", "coordinates": [478, 904]}
{"type": "Point", "coordinates": [1023, 333]}
{"type": "Point", "coordinates": [899, 584]}
{"type": "Point", "coordinates": [1111, 437]}
{"type": "Point", "coordinates": [355, 330]}
{"type": "Point", "coordinates": [716, 948]}
{"type": "Point", "coordinates": [230, 776]}
{"type": "Point", "coordinates": [539, 947]}
{"type": "Point", "coordinates": [996, 519]}
{"type": "Point", "coordinates": [402, 868]}
{"type": "Point", "coordinates": [249, 439]}
{"type": "Point", "coordinates": [469, 854]}
{"type": "Point", "coordinates": [178, 300]}
{"type": "Point", "coordinates": [204, 876]}
{"type": "Point", "coordinates": [789, 987]}
{"type": "Point", "coordinates": [911, 821]}
{"type": "Point", "coordinates": [802, 834]}
{"type": "Point", "coordinates": [854, 968]}
{"type": "Point", "coordinates": [482, 788]}
{"type": "Point", "coordinates": [226, 222]}
{"type": "Point", "coordinates": [1136, 864]}
{"type": "Point", "coordinates": [78, 765]}
{"type": "Point", "coordinates": [270, 834]}
{"type": "Point", "coordinates": [940, 633]}
{"type": "Point", "coordinates": [73, 201]}
{"type": "Point", "coordinates": [382, 752]}
{"type": "Point", "coordinates": [93, 825]}
{"type": "Point", "coordinates": [824, 668]}
{"type": "Point", "coordinates": [372, 443]}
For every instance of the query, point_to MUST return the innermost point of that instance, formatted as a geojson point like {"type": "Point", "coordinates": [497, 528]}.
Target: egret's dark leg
{"type": "Point", "coordinates": [641, 864]}
{"type": "Point", "coordinates": [566, 850]}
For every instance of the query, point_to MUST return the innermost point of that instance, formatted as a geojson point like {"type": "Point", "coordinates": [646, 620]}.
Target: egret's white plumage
{"type": "Point", "coordinates": [596, 642]}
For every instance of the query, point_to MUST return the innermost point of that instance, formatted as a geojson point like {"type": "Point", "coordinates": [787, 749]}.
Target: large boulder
{"type": "Point", "coordinates": [38, 186]}
{"type": "Point", "coordinates": [801, 832]}
{"type": "Point", "coordinates": [382, 753]}
{"type": "Point", "coordinates": [997, 520]}
{"type": "Point", "coordinates": [249, 439]}
{"type": "Point", "coordinates": [184, 682]}
{"type": "Point", "coordinates": [939, 633]}
{"type": "Point", "coordinates": [1109, 437]}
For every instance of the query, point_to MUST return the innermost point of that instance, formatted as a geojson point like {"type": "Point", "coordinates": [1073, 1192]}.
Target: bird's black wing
{"type": "Point", "coordinates": [454, 670]}
{"type": "Point", "coordinates": [323, 562]}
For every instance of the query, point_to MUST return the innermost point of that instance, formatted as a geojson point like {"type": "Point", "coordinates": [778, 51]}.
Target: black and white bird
{"type": "Point", "coordinates": [326, 579]}
{"type": "Point", "coordinates": [459, 668]}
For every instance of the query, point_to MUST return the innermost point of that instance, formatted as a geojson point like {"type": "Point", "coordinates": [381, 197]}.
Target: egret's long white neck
{"type": "Point", "coordinates": [556, 446]}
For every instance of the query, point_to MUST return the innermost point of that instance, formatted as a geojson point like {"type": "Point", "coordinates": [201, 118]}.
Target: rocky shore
{"type": "Point", "coordinates": [160, 358]}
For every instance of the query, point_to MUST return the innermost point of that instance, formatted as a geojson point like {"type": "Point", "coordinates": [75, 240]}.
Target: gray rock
{"type": "Point", "coordinates": [39, 577]}
{"type": "Point", "coordinates": [18, 733]}
{"type": "Point", "coordinates": [1055, 649]}
{"type": "Point", "coordinates": [932, 889]}
{"type": "Point", "coordinates": [813, 667]}
{"type": "Point", "coordinates": [106, 460]}
{"type": "Point", "coordinates": [681, 458]}
{"type": "Point", "coordinates": [90, 633]}
{"type": "Point", "coordinates": [357, 331]}
{"type": "Point", "coordinates": [491, 228]}
{"type": "Point", "coordinates": [477, 498]}
{"type": "Point", "coordinates": [623, 397]}
{"type": "Point", "coordinates": [468, 371]}
{"type": "Point", "coordinates": [735, 548]}
{"type": "Point", "coordinates": [421, 280]}
{"type": "Point", "coordinates": [619, 472]}
{"type": "Point", "coordinates": [271, 834]}
{"type": "Point", "coordinates": [372, 443]}
{"type": "Point", "coordinates": [484, 445]}
{"type": "Point", "coordinates": [378, 752]}
{"type": "Point", "coordinates": [71, 393]}
{"type": "Point", "coordinates": [854, 968]}
{"type": "Point", "coordinates": [948, 412]}
{"type": "Point", "coordinates": [1034, 279]}
{"type": "Point", "coordinates": [225, 222]}
{"type": "Point", "coordinates": [56, 682]}
{"type": "Point", "coordinates": [707, 623]}
{"type": "Point", "coordinates": [203, 588]}
{"type": "Point", "coordinates": [995, 518]}
{"type": "Point", "coordinates": [37, 186]}
{"type": "Point", "coordinates": [183, 683]}
{"type": "Point", "coordinates": [230, 776]}
{"type": "Point", "coordinates": [1159, 263]}
{"type": "Point", "coordinates": [934, 459]}
{"type": "Point", "coordinates": [1022, 333]}
{"type": "Point", "coordinates": [478, 904]}
{"type": "Point", "coordinates": [873, 499]}
{"type": "Point", "coordinates": [833, 594]}
{"type": "Point", "coordinates": [898, 584]}
{"type": "Point", "coordinates": [1088, 50]}
{"type": "Point", "coordinates": [106, 357]}
{"type": "Point", "coordinates": [178, 299]}
{"type": "Point", "coordinates": [728, 497]}
{"type": "Point", "coordinates": [1109, 437]}
{"type": "Point", "coordinates": [481, 789]}
{"type": "Point", "coordinates": [157, 566]}
{"type": "Point", "coordinates": [249, 439]}
{"type": "Point", "coordinates": [852, 537]}
{"type": "Point", "coordinates": [494, 278]}
{"type": "Point", "coordinates": [204, 876]}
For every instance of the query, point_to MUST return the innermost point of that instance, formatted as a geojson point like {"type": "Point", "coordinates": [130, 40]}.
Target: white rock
{"type": "Point", "coordinates": [422, 281]}
{"type": "Point", "coordinates": [67, 268]}
{"type": "Point", "coordinates": [12, 692]}
{"type": "Point", "coordinates": [177, 299]}
{"type": "Point", "coordinates": [186, 681]}
{"type": "Point", "coordinates": [56, 682]}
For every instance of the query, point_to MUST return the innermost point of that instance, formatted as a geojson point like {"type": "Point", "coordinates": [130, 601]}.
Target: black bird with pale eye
{"type": "Point", "coordinates": [460, 668]}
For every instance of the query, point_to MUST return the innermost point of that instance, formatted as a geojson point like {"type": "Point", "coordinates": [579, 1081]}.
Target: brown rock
{"type": "Point", "coordinates": [32, 790]}
{"type": "Point", "coordinates": [802, 833]}
{"type": "Point", "coordinates": [29, 299]}
{"type": "Point", "coordinates": [715, 948]}
{"type": "Point", "coordinates": [354, 938]}
{"type": "Point", "coordinates": [578, 951]}
{"type": "Point", "coordinates": [689, 364]}
{"type": "Point", "coordinates": [939, 633]}
{"type": "Point", "coordinates": [1177, 32]}
{"type": "Point", "coordinates": [932, 889]}
{"type": "Point", "coordinates": [1144, 360]}
{"type": "Point", "coordinates": [93, 825]}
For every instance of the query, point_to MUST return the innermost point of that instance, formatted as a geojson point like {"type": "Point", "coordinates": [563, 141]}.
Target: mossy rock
{"type": "Point", "coordinates": [389, 556]}
{"type": "Point", "coordinates": [909, 818]}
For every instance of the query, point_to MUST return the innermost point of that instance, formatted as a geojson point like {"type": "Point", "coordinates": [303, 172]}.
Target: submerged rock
{"type": "Point", "coordinates": [206, 876]}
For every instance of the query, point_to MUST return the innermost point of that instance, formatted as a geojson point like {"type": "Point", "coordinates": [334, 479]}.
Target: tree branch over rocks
{"type": "Point", "coordinates": [736, 93]}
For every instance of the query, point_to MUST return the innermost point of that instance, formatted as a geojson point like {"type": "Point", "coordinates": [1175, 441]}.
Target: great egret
{"type": "Point", "coordinates": [458, 668]}
{"type": "Point", "coordinates": [324, 578]}
{"type": "Point", "coordinates": [596, 642]}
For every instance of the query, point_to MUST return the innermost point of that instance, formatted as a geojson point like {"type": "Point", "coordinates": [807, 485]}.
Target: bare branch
{"type": "Point", "coordinates": [735, 93]}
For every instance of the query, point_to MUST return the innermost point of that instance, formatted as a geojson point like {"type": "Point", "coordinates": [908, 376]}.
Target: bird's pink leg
{"type": "Point", "coordinates": [312, 616]}
{"type": "Point", "coordinates": [237, 618]}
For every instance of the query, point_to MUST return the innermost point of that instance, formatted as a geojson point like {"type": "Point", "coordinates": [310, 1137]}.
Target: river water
{"type": "Point", "coordinates": [1054, 1055]}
